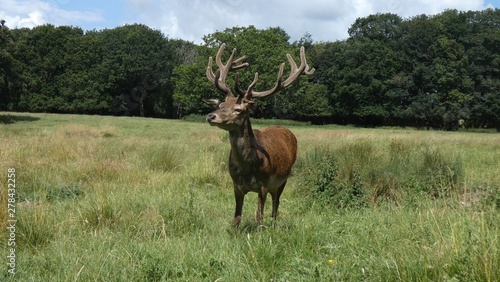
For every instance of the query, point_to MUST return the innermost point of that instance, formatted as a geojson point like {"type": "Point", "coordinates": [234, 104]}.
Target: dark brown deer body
{"type": "Point", "coordinates": [260, 161]}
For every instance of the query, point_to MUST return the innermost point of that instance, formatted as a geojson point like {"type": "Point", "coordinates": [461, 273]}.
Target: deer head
{"type": "Point", "coordinates": [231, 112]}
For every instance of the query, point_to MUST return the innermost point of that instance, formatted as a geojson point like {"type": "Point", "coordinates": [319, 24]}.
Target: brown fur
{"type": "Point", "coordinates": [281, 145]}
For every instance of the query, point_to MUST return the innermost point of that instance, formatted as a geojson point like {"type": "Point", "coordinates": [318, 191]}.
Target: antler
{"type": "Point", "coordinates": [219, 78]}
{"type": "Point", "coordinates": [295, 72]}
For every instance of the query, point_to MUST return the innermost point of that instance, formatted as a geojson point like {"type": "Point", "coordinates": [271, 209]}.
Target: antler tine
{"type": "Point", "coordinates": [296, 72]}
{"type": "Point", "coordinates": [237, 61]}
{"type": "Point", "coordinates": [219, 78]}
{"type": "Point", "coordinates": [237, 88]}
{"type": "Point", "coordinates": [242, 93]}
{"type": "Point", "coordinates": [210, 74]}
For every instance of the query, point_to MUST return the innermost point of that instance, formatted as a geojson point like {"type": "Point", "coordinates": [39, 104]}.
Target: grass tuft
{"type": "Point", "coordinates": [100, 213]}
{"type": "Point", "coordinates": [162, 159]}
{"type": "Point", "coordinates": [35, 226]}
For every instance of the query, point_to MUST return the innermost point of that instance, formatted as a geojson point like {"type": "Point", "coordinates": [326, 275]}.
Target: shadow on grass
{"type": "Point", "coordinates": [9, 119]}
{"type": "Point", "coordinates": [249, 227]}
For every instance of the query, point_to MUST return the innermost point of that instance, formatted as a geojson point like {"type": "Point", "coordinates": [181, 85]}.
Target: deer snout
{"type": "Point", "coordinates": [211, 117]}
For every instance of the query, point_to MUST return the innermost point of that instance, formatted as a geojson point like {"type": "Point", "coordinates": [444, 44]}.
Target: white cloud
{"type": "Point", "coordinates": [35, 12]}
{"type": "Point", "coordinates": [325, 20]}
{"type": "Point", "coordinates": [34, 18]}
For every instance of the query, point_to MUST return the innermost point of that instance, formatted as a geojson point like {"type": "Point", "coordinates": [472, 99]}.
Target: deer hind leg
{"type": "Point", "coordinates": [276, 199]}
{"type": "Point", "coordinates": [260, 205]}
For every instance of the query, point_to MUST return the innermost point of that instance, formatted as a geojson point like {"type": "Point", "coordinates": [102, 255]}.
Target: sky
{"type": "Point", "coordinates": [324, 20]}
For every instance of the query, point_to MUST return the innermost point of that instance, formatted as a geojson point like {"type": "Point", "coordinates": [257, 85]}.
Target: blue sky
{"type": "Point", "coordinates": [325, 20]}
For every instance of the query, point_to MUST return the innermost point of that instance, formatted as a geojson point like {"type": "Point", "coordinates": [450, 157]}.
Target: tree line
{"type": "Point", "coordinates": [439, 71]}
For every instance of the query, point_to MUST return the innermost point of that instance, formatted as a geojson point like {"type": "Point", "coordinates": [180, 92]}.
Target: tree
{"type": "Point", "coordinates": [484, 67]}
{"type": "Point", "coordinates": [190, 86]}
{"type": "Point", "coordinates": [376, 27]}
{"type": "Point", "coordinates": [136, 62]}
{"type": "Point", "coordinates": [6, 65]}
{"type": "Point", "coordinates": [311, 103]}
{"type": "Point", "coordinates": [361, 81]}
{"type": "Point", "coordinates": [42, 54]}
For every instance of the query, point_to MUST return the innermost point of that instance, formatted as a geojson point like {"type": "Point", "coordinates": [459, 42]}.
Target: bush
{"type": "Point", "coordinates": [360, 173]}
{"type": "Point", "coordinates": [330, 189]}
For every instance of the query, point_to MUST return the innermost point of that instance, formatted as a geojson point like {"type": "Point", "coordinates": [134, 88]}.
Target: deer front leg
{"type": "Point", "coordinates": [260, 205]}
{"type": "Point", "coordinates": [239, 196]}
{"type": "Point", "coordinates": [276, 199]}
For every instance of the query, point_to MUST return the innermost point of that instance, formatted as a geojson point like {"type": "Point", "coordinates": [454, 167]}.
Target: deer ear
{"type": "Point", "coordinates": [214, 103]}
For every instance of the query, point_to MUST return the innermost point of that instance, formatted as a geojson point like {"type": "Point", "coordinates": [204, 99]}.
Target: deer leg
{"type": "Point", "coordinates": [239, 197]}
{"type": "Point", "coordinates": [260, 205]}
{"type": "Point", "coordinates": [276, 199]}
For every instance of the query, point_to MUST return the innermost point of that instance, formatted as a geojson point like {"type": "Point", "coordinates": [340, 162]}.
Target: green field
{"type": "Point", "coordinates": [137, 199]}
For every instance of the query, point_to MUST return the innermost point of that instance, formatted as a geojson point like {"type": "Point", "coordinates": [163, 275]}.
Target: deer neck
{"type": "Point", "coordinates": [243, 144]}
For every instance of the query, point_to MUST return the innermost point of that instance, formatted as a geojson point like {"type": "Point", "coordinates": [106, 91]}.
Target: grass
{"type": "Point", "coordinates": [135, 199]}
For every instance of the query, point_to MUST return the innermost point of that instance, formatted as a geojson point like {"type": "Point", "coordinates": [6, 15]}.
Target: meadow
{"type": "Point", "coordinates": [136, 199]}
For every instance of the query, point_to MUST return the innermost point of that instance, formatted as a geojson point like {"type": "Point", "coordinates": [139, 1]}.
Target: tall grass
{"type": "Point", "coordinates": [358, 173]}
{"type": "Point", "coordinates": [132, 199]}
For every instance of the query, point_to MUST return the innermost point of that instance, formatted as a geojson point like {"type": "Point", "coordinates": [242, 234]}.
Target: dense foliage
{"type": "Point", "coordinates": [425, 71]}
{"type": "Point", "coordinates": [66, 70]}
{"type": "Point", "coordinates": [439, 71]}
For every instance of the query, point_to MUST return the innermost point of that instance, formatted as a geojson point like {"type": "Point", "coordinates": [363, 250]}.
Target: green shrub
{"type": "Point", "coordinates": [359, 173]}
{"type": "Point", "coordinates": [330, 189]}
{"type": "Point", "coordinates": [440, 174]}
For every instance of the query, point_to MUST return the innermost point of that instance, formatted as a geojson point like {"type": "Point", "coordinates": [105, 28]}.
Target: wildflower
{"type": "Point", "coordinates": [331, 261]}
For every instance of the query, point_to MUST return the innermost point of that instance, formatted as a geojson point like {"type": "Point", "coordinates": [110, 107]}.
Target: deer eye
{"type": "Point", "coordinates": [238, 110]}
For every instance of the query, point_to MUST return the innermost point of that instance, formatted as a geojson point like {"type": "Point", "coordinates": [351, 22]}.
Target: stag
{"type": "Point", "coordinates": [260, 161]}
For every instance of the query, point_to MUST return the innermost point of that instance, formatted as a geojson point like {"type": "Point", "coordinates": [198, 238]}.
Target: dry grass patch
{"type": "Point", "coordinates": [85, 131]}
